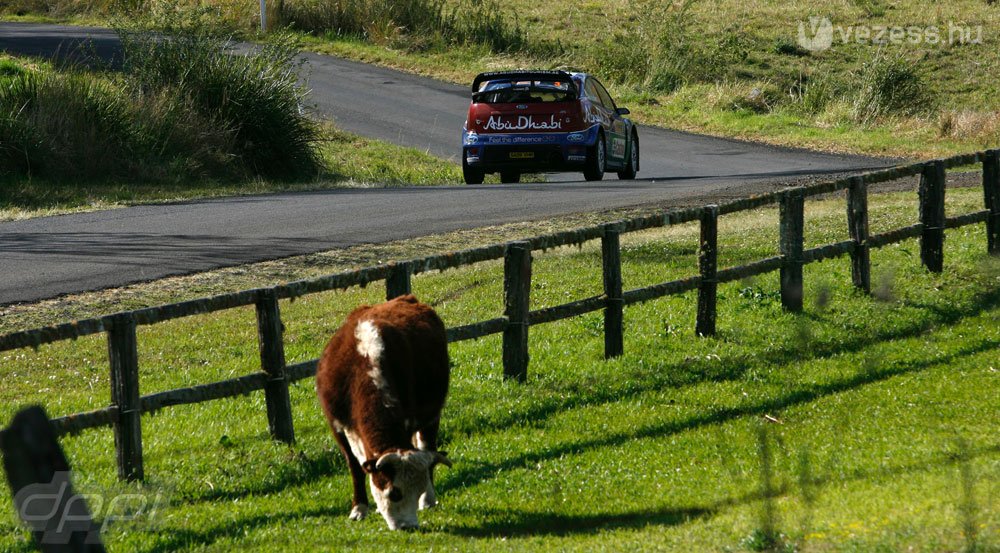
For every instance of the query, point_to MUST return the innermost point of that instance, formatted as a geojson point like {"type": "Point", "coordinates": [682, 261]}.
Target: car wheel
{"type": "Point", "coordinates": [596, 155]}
{"type": "Point", "coordinates": [510, 177]}
{"type": "Point", "coordinates": [633, 161]}
{"type": "Point", "coordinates": [471, 174]}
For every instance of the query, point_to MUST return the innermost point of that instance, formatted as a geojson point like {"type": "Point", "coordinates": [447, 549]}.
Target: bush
{"type": "Point", "coordinates": [410, 24]}
{"type": "Point", "coordinates": [889, 84]}
{"type": "Point", "coordinates": [255, 95]}
{"type": "Point", "coordinates": [183, 107]}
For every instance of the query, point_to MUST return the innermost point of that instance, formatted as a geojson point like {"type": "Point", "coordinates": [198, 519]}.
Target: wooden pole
{"type": "Point", "coordinates": [614, 342]}
{"type": "Point", "coordinates": [124, 357]}
{"type": "Point", "coordinates": [398, 282]}
{"type": "Point", "coordinates": [792, 214]}
{"type": "Point", "coordinates": [991, 191]}
{"type": "Point", "coordinates": [857, 224]}
{"type": "Point", "coordinates": [517, 288]}
{"type": "Point", "coordinates": [708, 265]}
{"type": "Point", "coordinates": [932, 182]}
{"type": "Point", "coordinates": [270, 338]}
{"type": "Point", "coordinates": [39, 477]}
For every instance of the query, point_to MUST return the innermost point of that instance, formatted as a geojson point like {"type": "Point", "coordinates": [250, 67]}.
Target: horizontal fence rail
{"type": "Point", "coordinates": [123, 415]}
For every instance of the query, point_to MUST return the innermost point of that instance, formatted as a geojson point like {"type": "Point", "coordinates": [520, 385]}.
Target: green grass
{"type": "Point", "coordinates": [656, 450]}
{"type": "Point", "coordinates": [349, 160]}
{"type": "Point", "coordinates": [696, 67]}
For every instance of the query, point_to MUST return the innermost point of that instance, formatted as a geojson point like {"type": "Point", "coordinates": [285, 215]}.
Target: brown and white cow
{"type": "Point", "coordinates": [382, 382]}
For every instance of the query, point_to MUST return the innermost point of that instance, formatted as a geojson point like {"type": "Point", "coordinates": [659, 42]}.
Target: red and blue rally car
{"type": "Point", "coordinates": [543, 121]}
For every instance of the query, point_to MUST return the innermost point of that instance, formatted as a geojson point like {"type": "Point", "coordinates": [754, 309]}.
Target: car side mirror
{"type": "Point", "coordinates": [622, 111]}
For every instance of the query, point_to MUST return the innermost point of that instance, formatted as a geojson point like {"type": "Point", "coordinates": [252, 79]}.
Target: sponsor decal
{"type": "Point", "coordinates": [519, 139]}
{"type": "Point", "coordinates": [521, 123]}
{"type": "Point", "coordinates": [618, 147]}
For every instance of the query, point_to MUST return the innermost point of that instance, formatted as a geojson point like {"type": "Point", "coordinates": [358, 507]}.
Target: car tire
{"type": "Point", "coordinates": [596, 160]}
{"type": "Point", "coordinates": [471, 174]}
{"type": "Point", "coordinates": [628, 173]}
{"type": "Point", "coordinates": [510, 177]}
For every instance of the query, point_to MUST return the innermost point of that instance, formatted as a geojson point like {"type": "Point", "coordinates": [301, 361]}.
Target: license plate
{"type": "Point", "coordinates": [522, 155]}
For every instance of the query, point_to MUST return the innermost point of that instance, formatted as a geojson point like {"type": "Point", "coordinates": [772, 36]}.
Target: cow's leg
{"type": "Point", "coordinates": [359, 504]}
{"type": "Point", "coordinates": [425, 439]}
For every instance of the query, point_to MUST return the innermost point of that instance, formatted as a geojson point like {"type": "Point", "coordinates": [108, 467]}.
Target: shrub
{"type": "Point", "coordinates": [254, 95]}
{"type": "Point", "coordinates": [889, 84]}
{"type": "Point", "coordinates": [64, 125]}
{"type": "Point", "coordinates": [183, 107]}
{"type": "Point", "coordinates": [410, 24]}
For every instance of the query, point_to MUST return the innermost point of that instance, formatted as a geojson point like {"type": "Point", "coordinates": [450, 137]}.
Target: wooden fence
{"type": "Point", "coordinates": [127, 406]}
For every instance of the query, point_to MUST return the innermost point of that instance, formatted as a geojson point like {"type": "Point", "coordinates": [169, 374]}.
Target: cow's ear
{"type": "Point", "coordinates": [370, 466]}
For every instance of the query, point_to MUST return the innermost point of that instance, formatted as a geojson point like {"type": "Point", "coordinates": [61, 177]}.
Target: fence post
{"type": "Point", "coordinates": [123, 353]}
{"type": "Point", "coordinates": [270, 339]}
{"type": "Point", "coordinates": [792, 214]}
{"type": "Point", "coordinates": [991, 190]}
{"type": "Point", "coordinates": [932, 182]}
{"type": "Point", "coordinates": [516, 288]}
{"type": "Point", "coordinates": [708, 264]}
{"type": "Point", "coordinates": [398, 282]}
{"type": "Point", "coordinates": [614, 304]}
{"type": "Point", "coordinates": [857, 223]}
{"type": "Point", "coordinates": [39, 478]}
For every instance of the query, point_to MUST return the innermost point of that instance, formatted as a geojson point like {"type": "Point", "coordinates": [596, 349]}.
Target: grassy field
{"type": "Point", "coordinates": [735, 68]}
{"type": "Point", "coordinates": [350, 160]}
{"type": "Point", "coordinates": [879, 415]}
{"type": "Point", "coordinates": [726, 67]}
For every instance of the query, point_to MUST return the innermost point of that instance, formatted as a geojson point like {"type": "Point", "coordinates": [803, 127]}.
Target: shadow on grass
{"type": "Point", "coordinates": [311, 468]}
{"type": "Point", "coordinates": [729, 368]}
{"type": "Point", "coordinates": [515, 524]}
{"type": "Point", "coordinates": [460, 477]}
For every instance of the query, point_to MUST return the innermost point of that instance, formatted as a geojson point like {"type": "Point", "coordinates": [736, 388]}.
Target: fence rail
{"type": "Point", "coordinates": [124, 415]}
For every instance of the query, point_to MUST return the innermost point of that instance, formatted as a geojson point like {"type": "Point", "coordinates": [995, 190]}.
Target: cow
{"type": "Point", "coordinates": [382, 382]}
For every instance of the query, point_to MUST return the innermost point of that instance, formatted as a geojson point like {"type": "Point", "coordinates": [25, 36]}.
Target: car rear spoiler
{"type": "Point", "coordinates": [526, 75]}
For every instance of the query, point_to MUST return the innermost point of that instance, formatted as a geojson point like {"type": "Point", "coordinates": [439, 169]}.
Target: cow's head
{"type": "Point", "coordinates": [398, 479]}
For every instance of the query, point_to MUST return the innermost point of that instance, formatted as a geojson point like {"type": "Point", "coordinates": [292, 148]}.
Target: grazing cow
{"type": "Point", "coordinates": [382, 382]}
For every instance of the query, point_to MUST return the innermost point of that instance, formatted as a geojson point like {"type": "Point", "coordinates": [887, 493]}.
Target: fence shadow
{"type": "Point", "coordinates": [461, 477]}
{"type": "Point", "coordinates": [310, 468]}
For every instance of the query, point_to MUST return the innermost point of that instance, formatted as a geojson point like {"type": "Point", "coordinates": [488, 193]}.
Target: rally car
{"type": "Point", "coordinates": [546, 121]}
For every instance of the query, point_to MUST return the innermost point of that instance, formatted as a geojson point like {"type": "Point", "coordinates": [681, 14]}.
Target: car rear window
{"type": "Point", "coordinates": [509, 91]}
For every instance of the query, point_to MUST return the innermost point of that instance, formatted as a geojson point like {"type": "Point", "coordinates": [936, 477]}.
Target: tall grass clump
{"type": "Point", "coordinates": [184, 106]}
{"type": "Point", "coordinates": [409, 24]}
{"type": "Point", "coordinates": [888, 84]}
{"type": "Point", "coordinates": [64, 124]}
{"type": "Point", "coordinates": [254, 95]}
{"type": "Point", "coordinates": [664, 49]}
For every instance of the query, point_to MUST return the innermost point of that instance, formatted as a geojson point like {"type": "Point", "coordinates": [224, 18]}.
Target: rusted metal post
{"type": "Point", "coordinates": [708, 265]}
{"type": "Point", "coordinates": [123, 353]}
{"type": "Point", "coordinates": [932, 182]}
{"type": "Point", "coordinates": [857, 224]}
{"type": "Point", "coordinates": [270, 338]}
{"type": "Point", "coordinates": [614, 341]}
{"type": "Point", "coordinates": [792, 214]}
{"type": "Point", "coordinates": [517, 288]}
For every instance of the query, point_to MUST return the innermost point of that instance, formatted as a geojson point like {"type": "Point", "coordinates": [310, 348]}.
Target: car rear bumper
{"type": "Point", "coordinates": [528, 152]}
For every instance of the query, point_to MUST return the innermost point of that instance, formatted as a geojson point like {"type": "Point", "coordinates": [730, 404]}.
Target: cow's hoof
{"type": "Point", "coordinates": [359, 512]}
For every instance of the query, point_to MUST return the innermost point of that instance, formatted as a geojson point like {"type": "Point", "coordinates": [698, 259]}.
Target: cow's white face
{"type": "Point", "coordinates": [398, 480]}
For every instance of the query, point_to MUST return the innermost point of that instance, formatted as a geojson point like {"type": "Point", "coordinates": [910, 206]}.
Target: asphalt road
{"type": "Point", "coordinates": [46, 257]}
